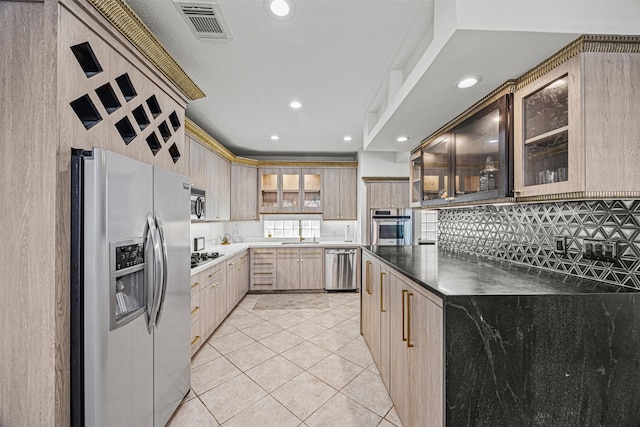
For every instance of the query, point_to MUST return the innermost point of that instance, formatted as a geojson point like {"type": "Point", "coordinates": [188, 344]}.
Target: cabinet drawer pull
{"type": "Point", "coordinates": [215, 272]}
{"type": "Point", "coordinates": [195, 309]}
{"type": "Point", "coordinates": [270, 273]}
{"type": "Point", "coordinates": [382, 310]}
{"type": "Point", "coordinates": [263, 284]}
{"type": "Point", "coordinates": [287, 253]}
{"type": "Point", "coordinates": [404, 337]}
{"type": "Point", "coordinates": [194, 285]}
{"type": "Point", "coordinates": [367, 278]}
{"type": "Point", "coordinates": [195, 340]}
{"type": "Point", "coordinates": [262, 263]}
{"type": "Point", "coordinates": [263, 253]}
{"type": "Point", "coordinates": [409, 295]}
{"type": "Point", "coordinates": [215, 284]}
{"type": "Point", "coordinates": [233, 263]}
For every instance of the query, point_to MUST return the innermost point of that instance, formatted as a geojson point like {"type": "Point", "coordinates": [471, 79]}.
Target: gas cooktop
{"type": "Point", "coordinates": [198, 258]}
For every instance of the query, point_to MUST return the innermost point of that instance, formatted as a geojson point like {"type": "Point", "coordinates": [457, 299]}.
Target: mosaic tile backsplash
{"type": "Point", "coordinates": [525, 233]}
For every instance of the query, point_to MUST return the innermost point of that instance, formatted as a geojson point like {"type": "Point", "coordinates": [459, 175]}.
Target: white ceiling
{"type": "Point", "coordinates": [336, 57]}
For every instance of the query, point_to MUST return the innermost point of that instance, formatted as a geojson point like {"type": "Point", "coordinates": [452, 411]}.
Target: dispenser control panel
{"type": "Point", "coordinates": [129, 256]}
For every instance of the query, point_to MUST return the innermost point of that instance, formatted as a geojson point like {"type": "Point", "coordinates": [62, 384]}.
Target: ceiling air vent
{"type": "Point", "coordinates": [204, 20]}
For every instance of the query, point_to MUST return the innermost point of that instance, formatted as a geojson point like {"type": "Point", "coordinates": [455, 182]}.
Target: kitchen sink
{"type": "Point", "coordinates": [300, 243]}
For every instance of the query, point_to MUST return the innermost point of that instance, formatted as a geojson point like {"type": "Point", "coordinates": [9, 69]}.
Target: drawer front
{"type": "Point", "coordinates": [284, 253]}
{"type": "Point", "coordinates": [213, 274]}
{"type": "Point", "coordinates": [311, 252]}
{"type": "Point", "coordinates": [196, 283]}
{"type": "Point", "coordinates": [195, 308]}
{"type": "Point", "coordinates": [262, 263]}
{"type": "Point", "coordinates": [263, 253]}
{"type": "Point", "coordinates": [265, 282]}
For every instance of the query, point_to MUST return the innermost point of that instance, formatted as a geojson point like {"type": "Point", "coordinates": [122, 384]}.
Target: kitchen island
{"type": "Point", "coordinates": [466, 340]}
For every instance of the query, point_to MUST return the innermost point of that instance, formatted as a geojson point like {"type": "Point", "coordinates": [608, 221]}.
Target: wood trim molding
{"type": "Point", "coordinates": [210, 142]}
{"type": "Point", "coordinates": [506, 88]}
{"type": "Point", "coordinates": [125, 20]}
{"type": "Point", "coordinates": [368, 179]}
{"type": "Point", "coordinates": [580, 195]}
{"type": "Point", "coordinates": [310, 164]}
{"type": "Point", "coordinates": [584, 43]}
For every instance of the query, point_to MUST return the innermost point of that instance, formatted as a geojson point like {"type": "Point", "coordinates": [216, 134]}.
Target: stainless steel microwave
{"type": "Point", "coordinates": [198, 202]}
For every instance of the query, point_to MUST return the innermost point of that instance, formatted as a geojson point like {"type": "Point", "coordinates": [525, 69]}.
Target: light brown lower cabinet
{"type": "Point", "coordinates": [403, 326]}
{"type": "Point", "coordinates": [263, 269]}
{"type": "Point", "coordinates": [299, 268]}
{"type": "Point", "coordinates": [214, 293]}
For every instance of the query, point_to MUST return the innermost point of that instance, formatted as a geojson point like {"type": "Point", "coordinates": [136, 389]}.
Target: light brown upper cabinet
{"type": "Point", "coordinates": [471, 159]}
{"type": "Point", "coordinates": [196, 160]}
{"type": "Point", "coordinates": [218, 187]}
{"type": "Point", "coordinates": [339, 193]}
{"type": "Point", "coordinates": [244, 201]}
{"type": "Point", "coordinates": [211, 173]}
{"type": "Point", "coordinates": [393, 194]}
{"type": "Point", "coordinates": [290, 190]}
{"type": "Point", "coordinates": [576, 127]}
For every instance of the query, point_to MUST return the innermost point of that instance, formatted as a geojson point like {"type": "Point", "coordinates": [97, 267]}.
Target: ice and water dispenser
{"type": "Point", "coordinates": [126, 282]}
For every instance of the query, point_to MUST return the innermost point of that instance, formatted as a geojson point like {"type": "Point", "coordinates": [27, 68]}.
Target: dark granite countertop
{"type": "Point", "coordinates": [450, 273]}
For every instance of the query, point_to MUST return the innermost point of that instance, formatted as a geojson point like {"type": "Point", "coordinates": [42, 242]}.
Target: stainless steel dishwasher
{"type": "Point", "coordinates": [340, 269]}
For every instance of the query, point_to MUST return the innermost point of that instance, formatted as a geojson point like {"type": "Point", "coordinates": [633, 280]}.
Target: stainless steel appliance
{"type": "Point", "coordinates": [198, 258]}
{"type": "Point", "coordinates": [391, 227]}
{"type": "Point", "coordinates": [340, 269]}
{"type": "Point", "coordinates": [130, 293]}
{"type": "Point", "coordinates": [198, 204]}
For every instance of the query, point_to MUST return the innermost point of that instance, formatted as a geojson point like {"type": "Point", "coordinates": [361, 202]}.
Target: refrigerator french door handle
{"type": "Point", "coordinates": [163, 292]}
{"type": "Point", "coordinates": [152, 286]}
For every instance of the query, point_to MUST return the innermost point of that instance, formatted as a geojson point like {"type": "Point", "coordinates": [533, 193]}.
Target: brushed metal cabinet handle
{"type": "Point", "coordinates": [409, 344]}
{"type": "Point", "coordinates": [404, 337]}
{"type": "Point", "coordinates": [382, 310]}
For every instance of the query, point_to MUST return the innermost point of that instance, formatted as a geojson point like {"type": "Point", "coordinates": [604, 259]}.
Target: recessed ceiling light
{"type": "Point", "coordinates": [280, 9]}
{"type": "Point", "coordinates": [347, 138]}
{"type": "Point", "coordinates": [295, 105]}
{"type": "Point", "coordinates": [493, 141]}
{"type": "Point", "coordinates": [402, 138]}
{"type": "Point", "coordinates": [557, 83]}
{"type": "Point", "coordinates": [469, 81]}
{"type": "Point", "coordinates": [274, 137]}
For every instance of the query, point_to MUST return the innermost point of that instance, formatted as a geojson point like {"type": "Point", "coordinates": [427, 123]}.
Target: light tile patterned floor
{"type": "Point", "coordinates": [296, 367]}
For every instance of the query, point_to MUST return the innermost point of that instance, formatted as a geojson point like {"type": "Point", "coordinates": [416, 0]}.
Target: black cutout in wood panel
{"type": "Point", "coordinates": [86, 111]}
{"type": "Point", "coordinates": [175, 122]}
{"type": "Point", "coordinates": [175, 153]}
{"type": "Point", "coordinates": [87, 59]}
{"type": "Point", "coordinates": [164, 131]}
{"type": "Point", "coordinates": [154, 107]}
{"type": "Point", "coordinates": [154, 143]}
{"type": "Point", "coordinates": [126, 87]}
{"type": "Point", "coordinates": [141, 117]}
{"type": "Point", "coordinates": [126, 130]}
{"type": "Point", "coordinates": [108, 98]}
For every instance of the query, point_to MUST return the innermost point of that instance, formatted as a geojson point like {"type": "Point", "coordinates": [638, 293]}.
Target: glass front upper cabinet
{"type": "Point", "coordinates": [268, 191]}
{"type": "Point", "coordinates": [470, 161]}
{"type": "Point", "coordinates": [477, 155]}
{"type": "Point", "coordinates": [416, 179]}
{"type": "Point", "coordinates": [311, 191]}
{"type": "Point", "coordinates": [290, 191]}
{"type": "Point", "coordinates": [435, 170]}
{"type": "Point", "coordinates": [482, 153]}
{"type": "Point", "coordinates": [546, 134]}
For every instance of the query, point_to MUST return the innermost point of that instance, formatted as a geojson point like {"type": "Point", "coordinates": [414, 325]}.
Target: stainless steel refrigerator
{"type": "Point", "coordinates": [130, 293]}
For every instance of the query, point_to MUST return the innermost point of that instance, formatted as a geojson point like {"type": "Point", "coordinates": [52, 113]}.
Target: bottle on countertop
{"type": "Point", "coordinates": [348, 236]}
